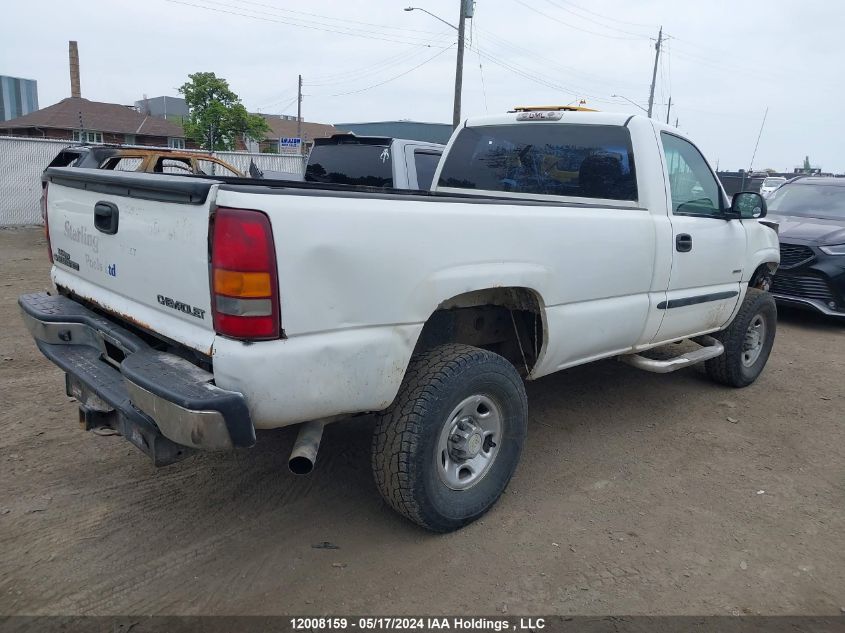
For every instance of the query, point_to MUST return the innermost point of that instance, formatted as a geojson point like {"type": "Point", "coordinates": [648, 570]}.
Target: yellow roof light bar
{"type": "Point", "coordinates": [553, 108]}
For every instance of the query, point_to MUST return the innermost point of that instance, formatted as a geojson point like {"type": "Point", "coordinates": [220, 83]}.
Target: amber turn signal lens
{"type": "Point", "coordinates": [239, 284]}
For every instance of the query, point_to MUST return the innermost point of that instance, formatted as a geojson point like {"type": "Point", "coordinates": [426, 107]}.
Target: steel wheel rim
{"type": "Point", "coordinates": [469, 442]}
{"type": "Point", "coordinates": [755, 337]}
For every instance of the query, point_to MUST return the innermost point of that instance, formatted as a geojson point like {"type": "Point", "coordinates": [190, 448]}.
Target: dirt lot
{"type": "Point", "coordinates": [637, 493]}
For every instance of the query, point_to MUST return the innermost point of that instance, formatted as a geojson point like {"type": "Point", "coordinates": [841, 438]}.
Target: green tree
{"type": "Point", "coordinates": [216, 115]}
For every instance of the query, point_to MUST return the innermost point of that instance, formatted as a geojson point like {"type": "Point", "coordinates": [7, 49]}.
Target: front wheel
{"type": "Point", "coordinates": [748, 341]}
{"type": "Point", "coordinates": [447, 447]}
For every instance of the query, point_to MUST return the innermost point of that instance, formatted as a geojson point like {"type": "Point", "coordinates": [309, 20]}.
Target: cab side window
{"type": "Point", "coordinates": [426, 165]}
{"type": "Point", "coordinates": [694, 188]}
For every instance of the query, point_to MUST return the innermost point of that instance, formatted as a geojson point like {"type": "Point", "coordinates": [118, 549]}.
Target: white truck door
{"type": "Point", "coordinates": [708, 251]}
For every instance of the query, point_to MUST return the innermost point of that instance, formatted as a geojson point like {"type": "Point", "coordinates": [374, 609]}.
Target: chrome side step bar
{"type": "Point", "coordinates": [711, 348]}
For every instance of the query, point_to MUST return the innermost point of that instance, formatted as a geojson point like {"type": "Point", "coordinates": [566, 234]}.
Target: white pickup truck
{"type": "Point", "coordinates": [372, 161]}
{"type": "Point", "coordinates": [190, 311]}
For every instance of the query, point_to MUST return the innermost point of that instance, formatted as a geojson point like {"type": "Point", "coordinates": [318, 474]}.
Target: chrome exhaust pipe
{"type": "Point", "coordinates": [304, 453]}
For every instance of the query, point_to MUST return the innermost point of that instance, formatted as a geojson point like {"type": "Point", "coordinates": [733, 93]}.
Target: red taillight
{"type": "Point", "coordinates": [46, 222]}
{"type": "Point", "coordinates": [244, 284]}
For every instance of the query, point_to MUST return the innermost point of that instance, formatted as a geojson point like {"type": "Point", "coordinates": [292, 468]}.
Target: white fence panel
{"type": "Point", "coordinates": [21, 162]}
{"type": "Point", "coordinates": [275, 162]}
{"type": "Point", "coordinates": [23, 159]}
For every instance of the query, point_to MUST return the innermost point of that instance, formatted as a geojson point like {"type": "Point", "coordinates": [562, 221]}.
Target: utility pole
{"type": "Point", "coordinates": [467, 9]}
{"type": "Point", "coordinates": [459, 69]}
{"type": "Point", "coordinates": [654, 74]}
{"type": "Point", "coordinates": [668, 109]}
{"type": "Point", "coordinates": [299, 121]}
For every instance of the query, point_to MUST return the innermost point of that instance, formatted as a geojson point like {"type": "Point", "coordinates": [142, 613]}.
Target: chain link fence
{"type": "Point", "coordinates": [23, 159]}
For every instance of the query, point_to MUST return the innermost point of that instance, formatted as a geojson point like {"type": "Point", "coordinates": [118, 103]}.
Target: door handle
{"type": "Point", "coordinates": [106, 217]}
{"type": "Point", "coordinates": [683, 243]}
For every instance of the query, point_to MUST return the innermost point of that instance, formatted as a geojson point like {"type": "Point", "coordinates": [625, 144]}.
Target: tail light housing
{"type": "Point", "coordinates": [43, 204]}
{"type": "Point", "coordinates": [244, 281]}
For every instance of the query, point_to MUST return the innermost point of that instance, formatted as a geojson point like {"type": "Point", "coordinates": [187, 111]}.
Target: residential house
{"type": "Point", "coordinates": [78, 119]}
{"type": "Point", "coordinates": [287, 127]}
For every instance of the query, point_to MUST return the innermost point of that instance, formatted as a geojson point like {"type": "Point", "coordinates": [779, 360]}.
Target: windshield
{"type": "Point", "coordinates": [812, 201]}
{"type": "Point", "coordinates": [773, 182]}
{"type": "Point", "coordinates": [351, 164]}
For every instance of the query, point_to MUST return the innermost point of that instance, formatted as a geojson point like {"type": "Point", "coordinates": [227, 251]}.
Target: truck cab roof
{"type": "Point", "coordinates": [529, 116]}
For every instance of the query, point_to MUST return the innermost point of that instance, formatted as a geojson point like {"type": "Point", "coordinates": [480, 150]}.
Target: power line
{"type": "Point", "coordinates": [757, 144]}
{"type": "Point", "coordinates": [538, 79]}
{"type": "Point", "coordinates": [284, 107]}
{"type": "Point", "coordinates": [278, 20]}
{"type": "Point", "coordinates": [348, 30]}
{"type": "Point", "coordinates": [602, 24]}
{"type": "Point", "coordinates": [669, 63]}
{"type": "Point", "coordinates": [366, 71]}
{"type": "Point", "coordinates": [572, 26]}
{"type": "Point", "coordinates": [607, 17]}
{"type": "Point", "coordinates": [721, 67]}
{"type": "Point", "coordinates": [713, 52]}
{"type": "Point", "coordinates": [474, 42]}
{"type": "Point", "coordinates": [402, 74]}
{"type": "Point", "coordinates": [534, 56]}
{"type": "Point", "coordinates": [327, 17]}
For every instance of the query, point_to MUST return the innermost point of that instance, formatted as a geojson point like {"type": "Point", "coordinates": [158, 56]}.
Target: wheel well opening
{"type": "Point", "coordinates": [507, 321]}
{"type": "Point", "coordinates": [762, 277]}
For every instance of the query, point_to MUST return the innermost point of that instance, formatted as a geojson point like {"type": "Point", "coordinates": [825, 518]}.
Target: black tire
{"type": "Point", "coordinates": [729, 368]}
{"type": "Point", "coordinates": [407, 436]}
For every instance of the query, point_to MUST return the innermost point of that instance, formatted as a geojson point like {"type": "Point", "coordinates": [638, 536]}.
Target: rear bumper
{"type": "Point", "coordinates": [160, 402]}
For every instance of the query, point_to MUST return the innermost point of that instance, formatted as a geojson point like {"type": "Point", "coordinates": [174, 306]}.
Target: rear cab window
{"type": "Point", "coordinates": [554, 159]}
{"type": "Point", "coordinates": [351, 164]}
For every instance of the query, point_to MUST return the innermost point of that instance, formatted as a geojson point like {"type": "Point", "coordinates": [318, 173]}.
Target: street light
{"type": "Point", "coordinates": [630, 101]}
{"type": "Point", "coordinates": [432, 15]}
{"type": "Point", "coordinates": [466, 11]}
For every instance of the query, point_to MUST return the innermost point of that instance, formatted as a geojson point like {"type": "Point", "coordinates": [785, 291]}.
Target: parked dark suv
{"type": "Point", "coordinates": [811, 215]}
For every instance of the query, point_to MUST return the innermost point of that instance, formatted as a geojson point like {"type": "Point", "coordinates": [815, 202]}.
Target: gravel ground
{"type": "Point", "coordinates": [637, 494]}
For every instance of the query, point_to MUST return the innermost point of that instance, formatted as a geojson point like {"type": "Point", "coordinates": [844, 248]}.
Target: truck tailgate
{"type": "Point", "coordinates": [135, 245]}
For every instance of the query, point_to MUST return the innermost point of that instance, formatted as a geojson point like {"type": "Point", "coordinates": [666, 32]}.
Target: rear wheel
{"type": "Point", "coordinates": [748, 341]}
{"type": "Point", "coordinates": [447, 447]}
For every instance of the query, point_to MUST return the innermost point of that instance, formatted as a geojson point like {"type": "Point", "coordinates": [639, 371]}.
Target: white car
{"type": "Point", "coordinates": [189, 312]}
{"type": "Point", "coordinates": [770, 184]}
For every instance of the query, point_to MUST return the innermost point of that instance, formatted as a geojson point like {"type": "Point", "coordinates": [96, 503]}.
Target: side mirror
{"type": "Point", "coordinates": [747, 205]}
